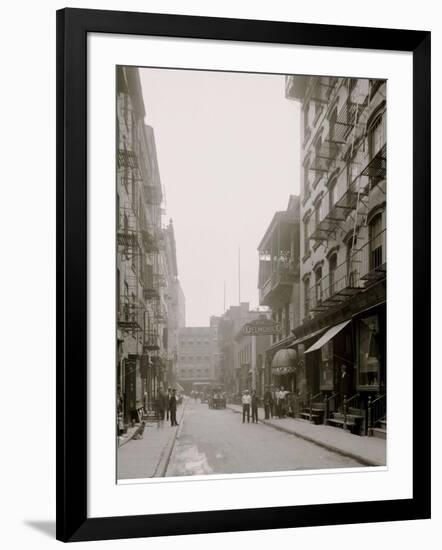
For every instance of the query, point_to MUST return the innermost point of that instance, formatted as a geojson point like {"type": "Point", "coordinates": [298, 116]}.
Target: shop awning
{"type": "Point", "coordinates": [307, 337]}
{"type": "Point", "coordinates": [331, 333]}
{"type": "Point", "coordinates": [284, 360]}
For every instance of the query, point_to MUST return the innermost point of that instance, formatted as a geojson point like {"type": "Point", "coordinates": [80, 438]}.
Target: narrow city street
{"type": "Point", "coordinates": [217, 442]}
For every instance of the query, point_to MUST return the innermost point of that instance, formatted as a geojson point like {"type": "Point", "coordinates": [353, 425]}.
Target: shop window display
{"type": "Point", "coordinates": [369, 352]}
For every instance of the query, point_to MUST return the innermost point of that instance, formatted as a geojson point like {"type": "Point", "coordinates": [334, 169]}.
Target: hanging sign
{"type": "Point", "coordinates": [261, 327]}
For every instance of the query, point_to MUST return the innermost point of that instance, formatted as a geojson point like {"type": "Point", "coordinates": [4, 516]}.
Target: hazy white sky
{"type": "Point", "coordinates": [228, 152]}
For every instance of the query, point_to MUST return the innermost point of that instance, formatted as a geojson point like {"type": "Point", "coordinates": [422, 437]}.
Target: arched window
{"type": "Point", "coordinates": [318, 284]}
{"type": "Point", "coordinates": [377, 239]}
{"type": "Point", "coordinates": [377, 135]}
{"type": "Point", "coordinates": [332, 194]}
{"type": "Point", "coordinates": [332, 265]}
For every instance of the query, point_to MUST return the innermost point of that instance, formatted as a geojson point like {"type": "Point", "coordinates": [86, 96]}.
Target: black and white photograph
{"type": "Point", "coordinates": [251, 273]}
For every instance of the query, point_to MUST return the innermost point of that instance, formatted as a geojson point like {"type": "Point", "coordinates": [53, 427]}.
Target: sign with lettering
{"type": "Point", "coordinates": [261, 327]}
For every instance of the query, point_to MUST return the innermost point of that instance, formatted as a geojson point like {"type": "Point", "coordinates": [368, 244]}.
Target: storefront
{"type": "Point", "coordinates": [348, 361]}
{"type": "Point", "coordinates": [330, 361]}
{"type": "Point", "coordinates": [284, 369]}
{"type": "Point", "coordinates": [370, 331]}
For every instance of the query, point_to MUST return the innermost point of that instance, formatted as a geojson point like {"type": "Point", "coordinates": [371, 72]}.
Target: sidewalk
{"type": "Point", "coordinates": [369, 451]}
{"type": "Point", "coordinates": [148, 457]}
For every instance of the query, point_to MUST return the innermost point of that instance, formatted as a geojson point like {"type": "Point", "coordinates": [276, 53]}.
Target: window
{"type": "Point", "coordinates": [307, 130]}
{"type": "Point", "coordinates": [306, 296]}
{"type": "Point", "coordinates": [287, 320]}
{"type": "Point", "coordinates": [332, 195]}
{"type": "Point", "coordinates": [317, 213]}
{"type": "Point", "coordinates": [376, 242]}
{"type": "Point", "coordinates": [332, 264]}
{"type": "Point", "coordinates": [306, 236]}
{"type": "Point", "coordinates": [306, 188]}
{"type": "Point", "coordinates": [118, 212]}
{"type": "Point", "coordinates": [369, 351]}
{"type": "Point", "coordinates": [133, 191]}
{"type": "Point", "coordinates": [318, 285]}
{"type": "Point", "coordinates": [332, 123]}
{"type": "Point", "coordinates": [118, 290]}
{"type": "Point", "coordinates": [377, 136]}
{"type": "Point", "coordinates": [351, 267]}
{"type": "Point", "coordinates": [326, 367]}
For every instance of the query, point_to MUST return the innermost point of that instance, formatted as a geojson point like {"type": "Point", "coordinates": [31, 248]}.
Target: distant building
{"type": "Point", "coordinates": [249, 361]}
{"type": "Point", "coordinates": [197, 356]}
{"type": "Point", "coordinates": [341, 339]}
{"type": "Point", "coordinates": [229, 325]}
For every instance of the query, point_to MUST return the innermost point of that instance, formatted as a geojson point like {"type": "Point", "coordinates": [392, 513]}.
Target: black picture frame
{"type": "Point", "coordinates": [73, 25]}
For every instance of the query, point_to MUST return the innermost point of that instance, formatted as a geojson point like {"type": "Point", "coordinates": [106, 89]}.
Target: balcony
{"type": "Point", "coordinates": [366, 266]}
{"type": "Point", "coordinates": [151, 341]}
{"type": "Point", "coordinates": [128, 314]}
{"type": "Point", "coordinates": [278, 287]}
{"type": "Point", "coordinates": [319, 88]}
{"type": "Point", "coordinates": [376, 169]}
{"type": "Point", "coordinates": [127, 159]}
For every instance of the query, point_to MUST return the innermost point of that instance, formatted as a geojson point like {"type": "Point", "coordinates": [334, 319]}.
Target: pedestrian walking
{"type": "Point", "coordinates": [246, 401]}
{"type": "Point", "coordinates": [172, 408]}
{"type": "Point", "coordinates": [254, 407]}
{"type": "Point", "coordinates": [268, 403]}
{"type": "Point", "coordinates": [160, 406]}
{"type": "Point", "coordinates": [167, 397]}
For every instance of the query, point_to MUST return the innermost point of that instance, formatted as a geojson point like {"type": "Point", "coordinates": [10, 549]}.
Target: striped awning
{"type": "Point", "coordinates": [331, 333]}
{"type": "Point", "coordinates": [284, 361]}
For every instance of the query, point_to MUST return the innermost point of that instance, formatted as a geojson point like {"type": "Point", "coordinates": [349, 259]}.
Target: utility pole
{"type": "Point", "coordinates": [239, 275]}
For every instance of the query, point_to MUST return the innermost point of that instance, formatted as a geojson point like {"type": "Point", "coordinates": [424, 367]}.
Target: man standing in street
{"type": "Point", "coordinates": [246, 401]}
{"type": "Point", "coordinates": [254, 407]}
{"type": "Point", "coordinates": [172, 408]}
{"type": "Point", "coordinates": [280, 397]}
{"type": "Point", "coordinates": [268, 403]}
{"type": "Point", "coordinates": [273, 410]}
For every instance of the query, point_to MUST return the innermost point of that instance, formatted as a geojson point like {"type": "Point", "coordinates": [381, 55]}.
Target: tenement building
{"type": "Point", "coordinates": [175, 304]}
{"type": "Point", "coordinates": [278, 283]}
{"type": "Point", "coordinates": [341, 338]}
{"type": "Point", "coordinates": [141, 270]}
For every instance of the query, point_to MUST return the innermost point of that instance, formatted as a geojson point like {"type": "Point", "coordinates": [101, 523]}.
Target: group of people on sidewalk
{"type": "Point", "coordinates": [166, 405]}
{"type": "Point", "coordinates": [275, 404]}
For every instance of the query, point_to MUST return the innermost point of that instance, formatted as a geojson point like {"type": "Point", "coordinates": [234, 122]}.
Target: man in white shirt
{"type": "Point", "coordinates": [246, 400]}
{"type": "Point", "coordinates": [280, 398]}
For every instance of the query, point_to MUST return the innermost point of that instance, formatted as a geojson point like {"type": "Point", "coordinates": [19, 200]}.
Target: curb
{"type": "Point", "coordinates": [163, 463]}
{"type": "Point", "coordinates": [364, 461]}
{"type": "Point", "coordinates": [127, 439]}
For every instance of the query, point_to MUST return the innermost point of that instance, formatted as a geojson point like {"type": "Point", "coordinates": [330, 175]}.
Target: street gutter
{"type": "Point", "coordinates": [163, 463]}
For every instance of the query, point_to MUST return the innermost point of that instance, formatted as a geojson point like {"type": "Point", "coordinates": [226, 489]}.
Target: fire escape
{"type": "Point", "coordinates": [341, 156]}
